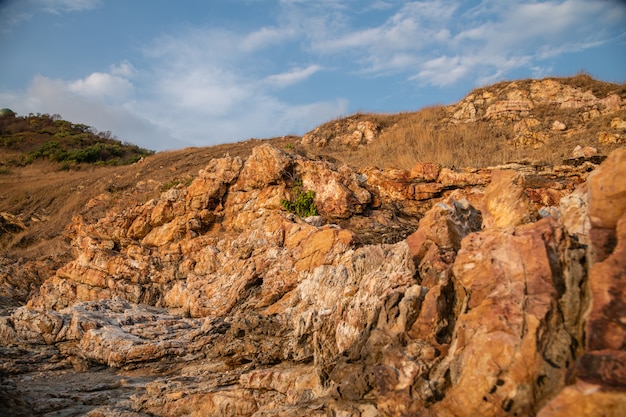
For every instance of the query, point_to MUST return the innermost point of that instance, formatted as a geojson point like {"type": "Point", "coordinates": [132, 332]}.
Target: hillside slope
{"type": "Point", "coordinates": [24, 139]}
{"type": "Point", "coordinates": [539, 121]}
{"type": "Point", "coordinates": [186, 284]}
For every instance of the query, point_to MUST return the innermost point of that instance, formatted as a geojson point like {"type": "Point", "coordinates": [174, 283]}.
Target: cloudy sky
{"type": "Point", "coordinates": [167, 75]}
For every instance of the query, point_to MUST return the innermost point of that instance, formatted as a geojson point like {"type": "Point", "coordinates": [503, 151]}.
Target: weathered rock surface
{"type": "Point", "coordinates": [353, 133]}
{"type": "Point", "coordinates": [600, 373]}
{"type": "Point", "coordinates": [529, 105]}
{"type": "Point", "coordinates": [211, 300]}
{"type": "Point", "coordinates": [516, 101]}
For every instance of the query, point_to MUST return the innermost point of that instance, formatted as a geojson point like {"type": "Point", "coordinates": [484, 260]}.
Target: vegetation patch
{"type": "Point", "coordinates": [44, 137]}
{"type": "Point", "coordinates": [303, 202]}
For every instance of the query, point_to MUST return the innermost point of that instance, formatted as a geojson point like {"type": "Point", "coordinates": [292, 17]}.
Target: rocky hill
{"type": "Point", "coordinates": [433, 291]}
{"type": "Point", "coordinates": [540, 121]}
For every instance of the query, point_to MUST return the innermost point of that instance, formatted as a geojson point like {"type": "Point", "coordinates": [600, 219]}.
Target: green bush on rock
{"type": "Point", "coordinates": [303, 202]}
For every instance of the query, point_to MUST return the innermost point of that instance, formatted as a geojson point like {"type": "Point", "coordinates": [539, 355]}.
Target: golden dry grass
{"type": "Point", "coordinates": [421, 136]}
{"type": "Point", "coordinates": [428, 135]}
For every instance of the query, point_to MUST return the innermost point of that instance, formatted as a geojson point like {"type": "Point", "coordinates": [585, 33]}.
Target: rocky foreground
{"type": "Point", "coordinates": [430, 292]}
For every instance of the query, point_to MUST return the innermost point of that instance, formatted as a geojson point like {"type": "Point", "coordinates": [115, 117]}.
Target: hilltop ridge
{"type": "Point", "coordinates": [24, 139]}
{"type": "Point", "coordinates": [533, 120]}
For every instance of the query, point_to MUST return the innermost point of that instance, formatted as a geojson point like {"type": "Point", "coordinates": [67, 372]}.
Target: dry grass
{"type": "Point", "coordinates": [421, 136]}
{"type": "Point", "coordinates": [586, 82]}
{"type": "Point", "coordinates": [426, 135]}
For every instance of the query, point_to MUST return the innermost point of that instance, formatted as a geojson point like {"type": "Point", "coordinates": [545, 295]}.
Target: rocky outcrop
{"type": "Point", "coordinates": [212, 300]}
{"type": "Point", "coordinates": [601, 371]}
{"type": "Point", "coordinates": [352, 132]}
{"type": "Point", "coordinates": [535, 109]}
{"type": "Point", "coordinates": [10, 224]}
{"type": "Point", "coordinates": [517, 100]}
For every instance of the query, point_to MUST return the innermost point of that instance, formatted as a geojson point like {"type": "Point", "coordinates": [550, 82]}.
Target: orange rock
{"type": "Point", "coordinates": [607, 191]}
{"type": "Point", "coordinates": [338, 194]}
{"type": "Point", "coordinates": [266, 166]}
{"type": "Point", "coordinates": [319, 246]}
{"type": "Point", "coordinates": [505, 201]}
{"type": "Point", "coordinates": [585, 400]}
{"type": "Point", "coordinates": [451, 178]}
{"type": "Point", "coordinates": [501, 350]}
{"type": "Point", "coordinates": [425, 171]}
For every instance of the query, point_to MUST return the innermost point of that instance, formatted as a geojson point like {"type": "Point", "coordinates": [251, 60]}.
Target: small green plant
{"type": "Point", "coordinates": [303, 202]}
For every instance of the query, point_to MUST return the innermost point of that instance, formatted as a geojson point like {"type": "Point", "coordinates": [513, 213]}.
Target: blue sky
{"type": "Point", "coordinates": [166, 75]}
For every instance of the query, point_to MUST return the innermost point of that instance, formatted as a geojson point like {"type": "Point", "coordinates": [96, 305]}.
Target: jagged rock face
{"type": "Point", "coordinates": [515, 102]}
{"type": "Point", "coordinates": [601, 370]}
{"type": "Point", "coordinates": [524, 104]}
{"type": "Point", "coordinates": [225, 304]}
{"type": "Point", "coordinates": [352, 133]}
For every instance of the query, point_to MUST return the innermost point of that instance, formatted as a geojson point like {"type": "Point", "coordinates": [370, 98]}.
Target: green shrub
{"type": "Point", "coordinates": [51, 138]}
{"type": "Point", "coordinates": [303, 202]}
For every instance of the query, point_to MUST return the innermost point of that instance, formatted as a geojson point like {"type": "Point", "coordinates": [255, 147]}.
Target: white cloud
{"type": "Point", "coordinates": [294, 76]}
{"type": "Point", "coordinates": [210, 90]}
{"type": "Point", "coordinates": [102, 85]}
{"type": "Point", "coordinates": [443, 42]}
{"type": "Point", "coordinates": [123, 69]}
{"type": "Point", "coordinates": [211, 86]}
{"type": "Point", "coordinates": [265, 37]}
{"type": "Point", "coordinates": [197, 87]}
{"type": "Point", "coordinates": [208, 104]}
{"type": "Point", "coordinates": [352, 40]}
{"type": "Point", "coordinates": [398, 43]}
{"type": "Point", "coordinates": [379, 5]}
{"type": "Point", "coordinates": [549, 51]}
{"type": "Point", "coordinates": [14, 13]}
{"type": "Point", "coordinates": [521, 35]}
{"type": "Point", "coordinates": [59, 6]}
{"type": "Point", "coordinates": [443, 71]}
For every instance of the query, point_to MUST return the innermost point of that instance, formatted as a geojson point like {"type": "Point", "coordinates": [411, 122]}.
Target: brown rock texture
{"type": "Point", "coordinates": [600, 373]}
{"type": "Point", "coordinates": [422, 292]}
{"type": "Point", "coordinates": [544, 112]}
{"type": "Point", "coordinates": [516, 100]}
{"type": "Point", "coordinates": [353, 133]}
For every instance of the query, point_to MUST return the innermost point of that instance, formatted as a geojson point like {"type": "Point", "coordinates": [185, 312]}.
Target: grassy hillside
{"type": "Point", "coordinates": [432, 134]}
{"type": "Point", "coordinates": [25, 139]}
